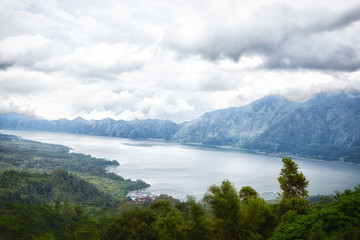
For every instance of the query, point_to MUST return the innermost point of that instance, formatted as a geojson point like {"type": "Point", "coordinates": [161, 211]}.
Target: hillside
{"type": "Point", "coordinates": [325, 127]}
{"type": "Point", "coordinates": [38, 187]}
{"type": "Point", "coordinates": [25, 155]}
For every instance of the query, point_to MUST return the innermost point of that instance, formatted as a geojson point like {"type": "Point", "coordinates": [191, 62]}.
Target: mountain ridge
{"type": "Point", "coordinates": [137, 129]}
{"type": "Point", "coordinates": [326, 126]}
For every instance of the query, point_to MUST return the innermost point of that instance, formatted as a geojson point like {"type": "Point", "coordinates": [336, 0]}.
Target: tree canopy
{"type": "Point", "coordinates": [292, 182]}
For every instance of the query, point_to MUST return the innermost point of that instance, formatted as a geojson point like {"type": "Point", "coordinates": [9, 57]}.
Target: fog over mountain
{"type": "Point", "coordinates": [327, 126]}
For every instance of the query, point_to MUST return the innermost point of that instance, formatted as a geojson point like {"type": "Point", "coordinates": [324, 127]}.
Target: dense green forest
{"type": "Point", "coordinates": [57, 199]}
{"type": "Point", "coordinates": [26, 155]}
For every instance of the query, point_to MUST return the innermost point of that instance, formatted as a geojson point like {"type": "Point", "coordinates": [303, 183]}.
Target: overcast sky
{"type": "Point", "coordinates": [171, 59]}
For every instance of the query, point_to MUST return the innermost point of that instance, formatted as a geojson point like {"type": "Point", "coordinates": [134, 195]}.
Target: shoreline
{"type": "Point", "coordinates": [199, 146]}
{"type": "Point", "coordinates": [177, 190]}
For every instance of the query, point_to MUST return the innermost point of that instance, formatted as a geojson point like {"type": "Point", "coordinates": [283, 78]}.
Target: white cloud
{"type": "Point", "coordinates": [101, 60]}
{"type": "Point", "coordinates": [24, 49]}
{"type": "Point", "coordinates": [17, 81]}
{"type": "Point", "coordinates": [304, 35]}
{"type": "Point", "coordinates": [163, 104]}
{"type": "Point", "coordinates": [128, 115]}
{"type": "Point", "coordinates": [171, 59]}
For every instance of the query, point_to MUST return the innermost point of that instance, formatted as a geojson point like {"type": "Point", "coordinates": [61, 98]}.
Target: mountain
{"type": "Point", "coordinates": [136, 129]}
{"type": "Point", "coordinates": [327, 126]}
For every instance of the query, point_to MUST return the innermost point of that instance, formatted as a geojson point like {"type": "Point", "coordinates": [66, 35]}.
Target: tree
{"type": "Point", "coordinates": [169, 224]}
{"type": "Point", "coordinates": [296, 204]}
{"type": "Point", "coordinates": [224, 203]}
{"type": "Point", "coordinates": [197, 224]}
{"type": "Point", "coordinates": [247, 192]}
{"type": "Point", "coordinates": [257, 218]}
{"type": "Point", "coordinates": [336, 220]}
{"type": "Point", "coordinates": [134, 223]}
{"type": "Point", "coordinates": [292, 183]}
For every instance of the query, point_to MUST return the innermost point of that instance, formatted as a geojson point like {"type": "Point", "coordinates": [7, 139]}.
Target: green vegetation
{"type": "Point", "coordinates": [250, 219]}
{"type": "Point", "coordinates": [339, 219]}
{"type": "Point", "coordinates": [37, 188]}
{"type": "Point", "coordinates": [51, 203]}
{"type": "Point", "coordinates": [292, 183]}
{"type": "Point", "coordinates": [19, 154]}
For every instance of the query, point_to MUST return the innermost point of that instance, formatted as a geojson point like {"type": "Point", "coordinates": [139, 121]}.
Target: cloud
{"type": "Point", "coordinates": [171, 59]}
{"type": "Point", "coordinates": [317, 51]}
{"type": "Point", "coordinates": [342, 20]}
{"type": "Point", "coordinates": [17, 81]}
{"type": "Point", "coordinates": [311, 36]}
{"type": "Point", "coordinates": [163, 104]}
{"type": "Point", "coordinates": [102, 60]}
{"type": "Point", "coordinates": [15, 20]}
{"type": "Point", "coordinates": [24, 50]}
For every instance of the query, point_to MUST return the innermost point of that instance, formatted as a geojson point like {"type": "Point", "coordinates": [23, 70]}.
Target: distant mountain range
{"type": "Point", "coordinates": [136, 129]}
{"type": "Point", "coordinates": [327, 126]}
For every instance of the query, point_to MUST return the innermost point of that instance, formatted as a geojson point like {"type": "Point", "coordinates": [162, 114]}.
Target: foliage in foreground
{"type": "Point", "coordinates": [62, 205]}
{"type": "Point", "coordinates": [24, 221]}
{"type": "Point", "coordinates": [339, 219]}
{"type": "Point", "coordinates": [255, 219]}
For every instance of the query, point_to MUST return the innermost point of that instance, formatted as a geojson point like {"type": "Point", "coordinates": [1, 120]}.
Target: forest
{"type": "Point", "coordinates": [46, 192]}
{"type": "Point", "coordinates": [31, 156]}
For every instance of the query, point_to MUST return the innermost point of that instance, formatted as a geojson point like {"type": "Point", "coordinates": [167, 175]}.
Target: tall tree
{"type": "Point", "coordinates": [292, 182]}
{"type": "Point", "coordinates": [224, 203]}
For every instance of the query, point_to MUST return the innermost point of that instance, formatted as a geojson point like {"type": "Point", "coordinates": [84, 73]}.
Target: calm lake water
{"type": "Point", "coordinates": [180, 170]}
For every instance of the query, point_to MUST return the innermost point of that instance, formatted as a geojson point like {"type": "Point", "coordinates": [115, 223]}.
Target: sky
{"type": "Point", "coordinates": [171, 59]}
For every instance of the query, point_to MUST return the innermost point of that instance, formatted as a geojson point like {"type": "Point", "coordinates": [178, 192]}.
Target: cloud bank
{"type": "Point", "coordinates": [171, 59]}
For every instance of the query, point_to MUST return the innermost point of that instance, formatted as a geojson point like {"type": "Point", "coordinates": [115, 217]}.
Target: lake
{"type": "Point", "coordinates": [180, 170]}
